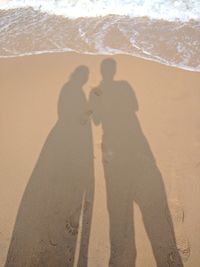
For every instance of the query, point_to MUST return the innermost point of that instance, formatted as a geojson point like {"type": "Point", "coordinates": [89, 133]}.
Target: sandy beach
{"type": "Point", "coordinates": [36, 122]}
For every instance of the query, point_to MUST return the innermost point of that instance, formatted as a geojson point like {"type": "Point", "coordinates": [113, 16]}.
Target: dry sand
{"type": "Point", "coordinates": [169, 116]}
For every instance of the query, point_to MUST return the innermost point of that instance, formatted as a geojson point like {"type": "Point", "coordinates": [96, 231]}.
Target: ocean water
{"type": "Point", "coordinates": [167, 31]}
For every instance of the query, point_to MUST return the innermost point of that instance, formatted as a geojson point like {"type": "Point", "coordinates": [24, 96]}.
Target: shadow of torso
{"type": "Point", "coordinates": [123, 142]}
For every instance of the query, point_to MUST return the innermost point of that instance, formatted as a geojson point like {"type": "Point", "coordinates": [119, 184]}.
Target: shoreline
{"type": "Point", "coordinates": [37, 53]}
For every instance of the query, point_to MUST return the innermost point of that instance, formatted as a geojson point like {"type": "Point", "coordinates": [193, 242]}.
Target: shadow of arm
{"type": "Point", "coordinates": [94, 103]}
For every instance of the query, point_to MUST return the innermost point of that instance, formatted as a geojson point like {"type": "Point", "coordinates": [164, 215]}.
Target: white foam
{"type": "Point", "coordinates": [170, 10]}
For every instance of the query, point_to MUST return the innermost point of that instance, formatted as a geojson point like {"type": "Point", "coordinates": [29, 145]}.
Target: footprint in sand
{"type": "Point", "coordinates": [183, 246]}
{"type": "Point", "coordinates": [72, 228]}
{"type": "Point", "coordinates": [70, 254]}
{"type": "Point", "coordinates": [85, 117]}
{"type": "Point", "coordinates": [72, 224]}
{"type": "Point", "coordinates": [177, 216]}
{"type": "Point", "coordinates": [184, 253]}
{"type": "Point", "coordinates": [173, 260]}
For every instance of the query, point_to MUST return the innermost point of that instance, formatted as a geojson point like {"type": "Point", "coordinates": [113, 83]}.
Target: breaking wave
{"type": "Point", "coordinates": [164, 31]}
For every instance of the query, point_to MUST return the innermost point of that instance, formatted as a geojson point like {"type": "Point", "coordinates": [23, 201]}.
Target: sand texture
{"type": "Point", "coordinates": [100, 162]}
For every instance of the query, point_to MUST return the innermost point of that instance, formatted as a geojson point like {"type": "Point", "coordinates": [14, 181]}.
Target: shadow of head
{"type": "Point", "coordinates": [108, 69]}
{"type": "Point", "coordinates": [71, 97]}
{"type": "Point", "coordinates": [79, 76]}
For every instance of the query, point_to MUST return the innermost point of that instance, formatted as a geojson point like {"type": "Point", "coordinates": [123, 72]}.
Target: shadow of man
{"type": "Point", "coordinates": [131, 174]}
{"type": "Point", "coordinates": [60, 189]}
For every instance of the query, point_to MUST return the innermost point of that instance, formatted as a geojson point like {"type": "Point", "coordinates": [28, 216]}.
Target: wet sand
{"type": "Point", "coordinates": [165, 137]}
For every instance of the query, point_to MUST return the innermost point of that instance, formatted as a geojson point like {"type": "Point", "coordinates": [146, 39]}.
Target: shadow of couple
{"type": "Point", "coordinates": [57, 204]}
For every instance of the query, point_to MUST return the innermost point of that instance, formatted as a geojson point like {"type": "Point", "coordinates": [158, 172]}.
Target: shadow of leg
{"type": "Point", "coordinates": [120, 208]}
{"type": "Point", "coordinates": [153, 205]}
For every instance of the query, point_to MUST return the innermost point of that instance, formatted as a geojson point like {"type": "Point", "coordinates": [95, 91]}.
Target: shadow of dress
{"type": "Point", "coordinates": [60, 189]}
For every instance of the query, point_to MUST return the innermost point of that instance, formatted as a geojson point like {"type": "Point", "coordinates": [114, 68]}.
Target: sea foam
{"type": "Point", "coordinates": [170, 10]}
{"type": "Point", "coordinates": [164, 31]}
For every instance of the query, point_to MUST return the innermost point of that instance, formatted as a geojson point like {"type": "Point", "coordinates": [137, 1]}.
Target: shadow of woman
{"type": "Point", "coordinates": [60, 190]}
{"type": "Point", "coordinates": [131, 174]}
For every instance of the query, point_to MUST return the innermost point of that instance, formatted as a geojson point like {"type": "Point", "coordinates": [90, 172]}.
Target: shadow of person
{"type": "Point", "coordinates": [131, 174]}
{"type": "Point", "coordinates": [60, 190]}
